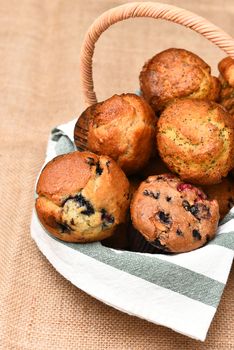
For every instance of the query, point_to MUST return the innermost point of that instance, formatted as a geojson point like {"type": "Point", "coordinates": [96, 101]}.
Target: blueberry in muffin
{"type": "Point", "coordinates": [82, 197]}
{"type": "Point", "coordinates": [173, 216]}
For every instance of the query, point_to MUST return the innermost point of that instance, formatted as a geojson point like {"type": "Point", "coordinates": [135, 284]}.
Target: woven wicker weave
{"type": "Point", "coordinates": [144, 9]}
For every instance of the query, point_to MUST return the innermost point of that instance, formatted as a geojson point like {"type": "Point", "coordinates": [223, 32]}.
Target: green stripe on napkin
{"type": "Point", "coordinates": [157, 271]}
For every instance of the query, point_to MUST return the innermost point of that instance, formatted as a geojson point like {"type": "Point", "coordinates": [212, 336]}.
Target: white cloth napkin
{"type": "Point", "coordinates": [180, 291]}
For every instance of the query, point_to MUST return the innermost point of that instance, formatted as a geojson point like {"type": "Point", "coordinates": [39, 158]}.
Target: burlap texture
{"type": "Point", "coordinates": [39, 78]}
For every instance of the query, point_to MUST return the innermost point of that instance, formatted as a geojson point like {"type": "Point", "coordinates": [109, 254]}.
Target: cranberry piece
{"type": "Point", "coordinates": [200, 195]}
{"type": "Point", "coordinates": [183, 187]}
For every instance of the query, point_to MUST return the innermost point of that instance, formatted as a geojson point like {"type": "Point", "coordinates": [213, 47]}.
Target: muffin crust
{"type": "Point", "coordinates": [121, 127]}
{"type": "Point", "coordinates": [196, 140]}
{"type": "Point", "coordinates": [82, 197]}
{"type": "Point", "coordinates": [173, 216]}
{"type": "Point", "coordinates": [177, 73]}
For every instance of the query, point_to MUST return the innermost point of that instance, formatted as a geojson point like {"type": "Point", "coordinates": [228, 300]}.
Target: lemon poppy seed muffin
{"type": "Point", "coordinates": [196, 140]}
{"type": "Point", "coordinates": [173, 216]}
{"type": "Point", "coordinates": [226, 68]}
{"type": "Point", "coordinates": [121, 127]}
{"type": "Point", "coordinates": [176, 73]}
{"type": "Point", "coordinates": [223, 193]}
{"type": "Point", "coordinates": [82, 197]}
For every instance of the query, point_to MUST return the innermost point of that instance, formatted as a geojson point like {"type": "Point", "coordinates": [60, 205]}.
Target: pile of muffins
{"type": "Point", "coordinates": [152, 173]}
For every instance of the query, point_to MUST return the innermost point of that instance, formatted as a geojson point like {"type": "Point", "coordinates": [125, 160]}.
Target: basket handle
{"type": "Point", "coordinates": [144, 9]}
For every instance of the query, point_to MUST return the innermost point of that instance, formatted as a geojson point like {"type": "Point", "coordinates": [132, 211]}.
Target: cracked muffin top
{"type": "Point", "coordinates": [121, 127]}
{"type": "Point", "coordinates": [226, 68]}
{"type": "Point", "coordinates": [177, 73]}
{"type": "Point", "coordinates": [173, 216]}
{"type": "Point", "coordinates": [196, 140]}
{"type": "Point", "coordinates": [82, 197]}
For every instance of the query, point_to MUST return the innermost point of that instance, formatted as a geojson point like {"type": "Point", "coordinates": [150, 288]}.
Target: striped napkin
{"type": "Point", "coordinates": [180, 291]}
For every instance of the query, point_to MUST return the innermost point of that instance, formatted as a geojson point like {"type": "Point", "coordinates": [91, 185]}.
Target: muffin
{"type": "Point", "coordinates": [226, 68]}
{"type": "Point", "coordinates": [82, 197]}
{"type": "Point", "coordinates": [196, 140]}
{"type": "Point", "coordinates": [121, 127]}
{"type": "Point", "coordinates": [223, 193]}
{"type": "Point", "coordinates": [176, 73]}
{"type": "Point", "coordinates": [173, 216]}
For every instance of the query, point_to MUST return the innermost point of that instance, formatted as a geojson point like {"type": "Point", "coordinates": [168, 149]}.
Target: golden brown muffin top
{"type": "Point", "coordinates": [118, 107]}
{"type": "Point", "coordinates": [176, 73]}
{"type": "Point", "coordinates": [196, 140]}
{"type": "Point", "coordinates": [226, 68]}
{"type": "Point", "coordinates": [121, 127]}
{"type": "Point", "coordinates": [65, 174]}
{"type": "Point", "coordinates": [91, 201]}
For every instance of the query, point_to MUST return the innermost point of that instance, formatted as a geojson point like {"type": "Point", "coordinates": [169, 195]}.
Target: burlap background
{"type": "Point", "coordinates": [39, 78]}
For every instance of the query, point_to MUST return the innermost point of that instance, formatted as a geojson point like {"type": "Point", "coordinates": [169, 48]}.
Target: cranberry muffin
{"type": "Point", "coordinates": [177, 73]}
{"type": "Point", "coordinates": [173, 216]}
{"type": "Point", "coordinates": [196, 140]}
{"type": "Point", "coordinates": [226, 68]}
{"type": "Point", "coordinates": [223, 193]}
{"type": "Point", "coordinates": [82, 197]}
{"type": "Point", "coordinates": [121, 127]}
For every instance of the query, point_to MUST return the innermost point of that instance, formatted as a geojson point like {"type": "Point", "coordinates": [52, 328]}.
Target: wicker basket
{"type": "Point", "coordinates": [180, 293]}
{"type": "Point", "coordinates": [144, 9]}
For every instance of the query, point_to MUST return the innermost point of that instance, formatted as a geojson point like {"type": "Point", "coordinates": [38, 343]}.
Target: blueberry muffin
{"type": "Point", "coordinates": [82, 197]}
{"type": "Point", "coordinates": [223, 193]}
{"type": "Point", "coordinates": [121, 127]}
{"type": "Point", "coordinates": [177, 73]}
{"type": "Point", "coordinates": [196, 140]}
{"type": "Point", "coordinates": [226, 68]}
{"type": "Point", "coordinates": [173, 216]}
